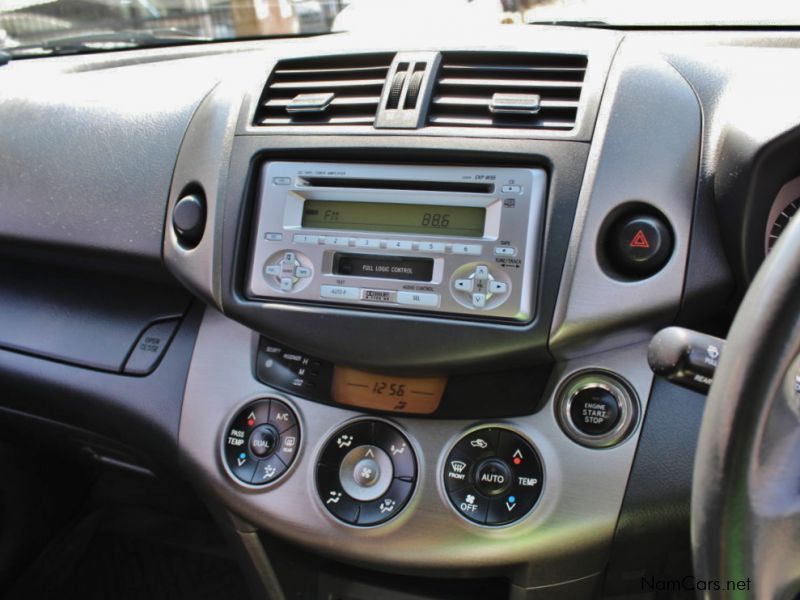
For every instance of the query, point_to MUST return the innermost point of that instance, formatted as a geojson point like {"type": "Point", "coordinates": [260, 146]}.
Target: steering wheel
{"type": "Point", "coordinates": [746, 486]}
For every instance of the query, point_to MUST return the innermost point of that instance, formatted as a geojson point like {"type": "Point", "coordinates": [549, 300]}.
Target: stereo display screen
{"type": "Point", "coordinates": [427, 219]}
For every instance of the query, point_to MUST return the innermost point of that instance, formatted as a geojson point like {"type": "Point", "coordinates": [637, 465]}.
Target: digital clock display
{"type": "Point", "coordinates": [459, 221]}
{"type": "Point", "coordinates": [415, 395]}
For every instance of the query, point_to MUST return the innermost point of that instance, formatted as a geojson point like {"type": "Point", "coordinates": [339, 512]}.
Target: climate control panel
{"type": "Point", "coordinates": [261, 442]}
{"type": "Point", "coordinates": [493, 476]}
{"type": "Point", "coordinates": [366, 473]}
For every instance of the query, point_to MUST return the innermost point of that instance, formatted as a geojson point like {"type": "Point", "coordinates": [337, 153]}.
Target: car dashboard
{"type": "Point", "coordinates": [388, 301]}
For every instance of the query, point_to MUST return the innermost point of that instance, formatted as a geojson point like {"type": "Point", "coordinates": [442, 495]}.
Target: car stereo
{"type": "Point", "coordinates": [444, 239]}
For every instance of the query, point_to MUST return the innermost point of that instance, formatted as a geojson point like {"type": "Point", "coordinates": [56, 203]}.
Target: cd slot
{"type": "Point", "coordinates": [399, 184]}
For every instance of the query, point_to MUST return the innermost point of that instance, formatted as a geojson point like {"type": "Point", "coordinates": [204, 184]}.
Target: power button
{"type": "Point", "coordinates": [596, 409]}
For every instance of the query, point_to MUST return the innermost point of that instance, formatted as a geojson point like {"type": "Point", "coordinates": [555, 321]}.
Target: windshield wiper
{"type": "Point", "coordinates": [102, 41]}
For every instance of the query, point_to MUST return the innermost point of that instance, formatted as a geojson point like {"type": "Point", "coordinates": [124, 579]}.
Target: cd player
{"type": "Point", "coordinates": [456, 240]}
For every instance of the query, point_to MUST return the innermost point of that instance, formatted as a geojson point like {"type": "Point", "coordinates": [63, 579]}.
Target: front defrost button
{"type": "Point", "coordinates": [150, 347]}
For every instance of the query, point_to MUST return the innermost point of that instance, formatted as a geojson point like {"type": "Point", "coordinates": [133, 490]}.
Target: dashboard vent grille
{"type": "Point", "coordinates": [330, 90]}
{"type": "Point", "coordinates": [501, 89]}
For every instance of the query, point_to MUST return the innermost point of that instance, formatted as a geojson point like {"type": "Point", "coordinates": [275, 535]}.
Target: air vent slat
{"type": "Point", "coordinates": [468, 81]}
{"type": "Point", "coordinates": [333, 90]}
{"type": "Point", "coordinates": [511, 68]}
{"type": "Point", "coordinates": [485, 101]}
{"type": "Point", "coordinates": [344, 70]}
{"type": "Point", "coordinates": [341, 101]}
{"type": "Point", "coordinates": [326, 85]}
{"type": "Point", "coordinates": [501, 122]}
{"type": "Point", "coordinates": [509, 83]}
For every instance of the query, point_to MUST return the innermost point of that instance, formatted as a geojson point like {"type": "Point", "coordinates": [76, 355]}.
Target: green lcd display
{"type": "Point", "coordinates": [462, 221]}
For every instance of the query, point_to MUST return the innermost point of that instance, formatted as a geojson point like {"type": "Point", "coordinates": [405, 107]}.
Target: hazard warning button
{"type": "Point", "coordinates": [639, 246]}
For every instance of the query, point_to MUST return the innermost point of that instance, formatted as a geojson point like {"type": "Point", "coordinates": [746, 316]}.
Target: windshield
{"type": "Point", "coordinates": [85, 25]}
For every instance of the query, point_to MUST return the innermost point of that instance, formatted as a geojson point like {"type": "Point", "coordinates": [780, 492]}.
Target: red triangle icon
{"type": "Point", "coordinates": [639, 240]}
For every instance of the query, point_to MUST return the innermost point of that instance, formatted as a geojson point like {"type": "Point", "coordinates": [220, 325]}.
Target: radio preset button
{"type": "Point", "coordinates": [470, 249]}
{"type": "Point", "coordinates": [367, 243]}
{"type": "Point", "coordinates": [338, 292]}
{"type": "Point", "coordinates": [301, 238]}
{"type": "Point", "coordinates": [398, 245]}
{"type": "Point", "coordinates": [417, 299]}
{"type": "Point", "coordinates": [431, 246]}
{"type": "Point", "coordinates": [335, 241]}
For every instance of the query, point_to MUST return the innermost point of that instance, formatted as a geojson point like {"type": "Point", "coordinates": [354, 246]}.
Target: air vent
{"type": "Point", "coordinates": [331, 90]}
{"type": "Point", "coordinates": [499, 89]}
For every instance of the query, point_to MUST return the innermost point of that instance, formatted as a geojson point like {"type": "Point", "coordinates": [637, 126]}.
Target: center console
{"type": "Point", "coordinates": [420, 352]}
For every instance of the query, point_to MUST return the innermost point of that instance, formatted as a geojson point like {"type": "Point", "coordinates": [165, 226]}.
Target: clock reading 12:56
{"type": "Point", "coordinates": [415, 395]}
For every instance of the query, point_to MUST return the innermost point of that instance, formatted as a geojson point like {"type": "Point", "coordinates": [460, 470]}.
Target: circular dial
{"type": "Point", "coordinates": [784, 207]}
{"type": "Point", "coordinates": [493, 476]}
{"type": "Point", "coordinates": [366, 473]}
{"type": "Point", "coordinates": [780, 222]}
{"type": "Point", "coordinates": [261, 442]}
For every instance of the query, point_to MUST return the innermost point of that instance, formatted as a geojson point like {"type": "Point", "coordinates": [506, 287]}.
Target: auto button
{"type": "Point", "coordinates": [493, 477]}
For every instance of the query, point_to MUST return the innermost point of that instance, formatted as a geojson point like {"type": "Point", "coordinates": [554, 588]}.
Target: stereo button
{"type": "Point", "coordinates": [398, 245]}
{"type": "Point", "coordinates": [498, 287]}
{"type": "Point", "coordinates": [306, 239]}
{"type": "Point", "coordinates": [367, 243]}
{"type": "Point", "coordinates": [336, 241]}
{"type": "Point", "coordinates": [463, 285]}
{"type": "Point", "coordinates": [431, 247]}
{"type": "Point", "coordinates": [417, 299]}
{"type": "Point", "coordinates": [337, 292]}
{"type": "Point", "coordinates": [481, 272]}
{"type": "Point", "coordinates": [472, 249]}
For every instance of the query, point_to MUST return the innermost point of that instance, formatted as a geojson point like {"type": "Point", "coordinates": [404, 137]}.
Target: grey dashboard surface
{"type": "Point", "coordinates": [88, 148]}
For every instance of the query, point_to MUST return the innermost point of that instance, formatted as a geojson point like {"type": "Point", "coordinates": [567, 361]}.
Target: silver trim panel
{"type": "Point", "coordinates": [428, 534]}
